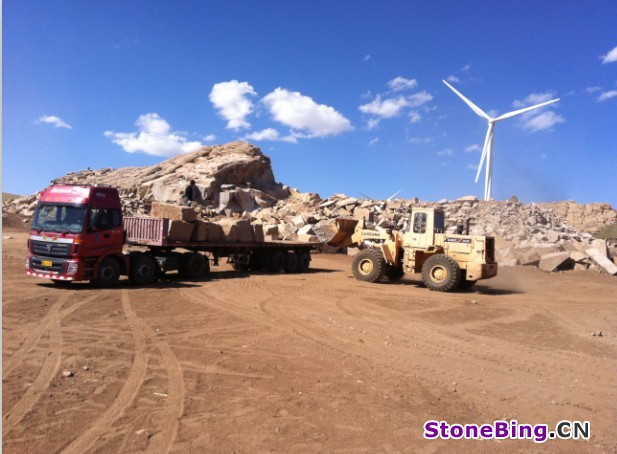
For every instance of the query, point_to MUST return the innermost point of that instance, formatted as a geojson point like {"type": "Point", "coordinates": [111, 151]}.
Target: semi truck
{"type": "Point", "coordinates": [79, 233]}
{"type": "Point", "coordinates": [448, 262]}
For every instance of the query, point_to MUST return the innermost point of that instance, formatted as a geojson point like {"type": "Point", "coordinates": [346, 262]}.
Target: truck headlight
{"type": "Point", "coordinates": [72, 268]}
{"type": "Point", "coordinates": [27, 263]}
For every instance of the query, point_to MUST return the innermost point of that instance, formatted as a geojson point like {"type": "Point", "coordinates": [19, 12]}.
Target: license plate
{"type": "Point", "coordinates": [46, 263]}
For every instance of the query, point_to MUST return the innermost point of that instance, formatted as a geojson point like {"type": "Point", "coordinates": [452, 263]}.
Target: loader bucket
{"type": "Point", "coordinates": [342, 238]}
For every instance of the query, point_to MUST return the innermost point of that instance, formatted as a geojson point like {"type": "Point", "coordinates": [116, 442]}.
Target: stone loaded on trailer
{"type": "Point", "coordinates": [78, 233]}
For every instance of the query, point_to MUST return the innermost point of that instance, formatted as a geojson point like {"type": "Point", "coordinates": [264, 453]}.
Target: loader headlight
{"type": "Point", "coordinates": [72, 268]}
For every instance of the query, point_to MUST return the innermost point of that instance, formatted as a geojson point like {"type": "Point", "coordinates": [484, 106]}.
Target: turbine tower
{"type": "Point", "coordinates": [487, 150]}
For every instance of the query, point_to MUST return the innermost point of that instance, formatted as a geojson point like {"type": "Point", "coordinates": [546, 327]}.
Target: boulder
{"type": "Point", "coordinates": [602, 261]}
{"type": "Point", "coordinates": [556, 261]}
{"type": "Point", "coordinates": [173, 212]}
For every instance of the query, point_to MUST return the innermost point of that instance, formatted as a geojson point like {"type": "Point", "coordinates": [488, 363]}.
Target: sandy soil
{"type": "Point", "coordinates": [315, 362]}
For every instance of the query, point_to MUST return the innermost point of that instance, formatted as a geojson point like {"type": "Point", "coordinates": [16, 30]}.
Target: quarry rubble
{"type": "Point", "coordinates": [237, 186]}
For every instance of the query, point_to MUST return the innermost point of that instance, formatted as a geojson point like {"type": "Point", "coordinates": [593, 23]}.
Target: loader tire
{"type": "Point", "coordinates": [368, 265]}
{"type": "Point", "coordinates": [441, 273]}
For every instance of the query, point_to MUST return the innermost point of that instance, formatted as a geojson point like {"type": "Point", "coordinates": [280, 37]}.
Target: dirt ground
{"type": "Point", "coordinates": [315, 362]}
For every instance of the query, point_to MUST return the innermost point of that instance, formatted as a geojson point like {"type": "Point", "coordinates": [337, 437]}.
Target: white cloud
{"type": "Point", "coordinates": [55, 121]}
{"type": "Point", "coordinates": [421, 140]}
{"type": "Point", "coordinates": [374, 141]}
{"type": "Point", "coordinates": [532, 99]}
{"type": "Point", "coordinates": [542, 121]}
{"type": "Point", "coordinates": [453, 79]}
{"type": "Point", "coordinates": [372, 123]}
{"type": "Point", "coordinates": [233, 103]}
{"type": "Point", "coordinates": [154, 137]}
{"type": "Point", "coordinates": [473, 148]}
{"type": "Point", "coordinates": [400, 83]}
{"type": "Point", "coordinates": [367, 57]}
{"type": "Point", "coordinates": [209, 138]}
{"type": "Point", "coordinates": [414, 116]}
{"type": "Point", "coordinates": [270, 134]}
{"type": "Point", "coordinates": [387, 108]}
{"type": "Point", "coordinates": [592, 89]}
{"type": "Point", "coordinates": [610, 57]}
{"type": "Point", "coordinates": [418, 99]}
{"type": "Point", "coordinates": [607, 95]}
{"type": "Point", "coordinates": [446, 152]}
{"type": "Point", "coordinates": [302, 113]}
{"type": "Point", "coordinates": [473, 167]}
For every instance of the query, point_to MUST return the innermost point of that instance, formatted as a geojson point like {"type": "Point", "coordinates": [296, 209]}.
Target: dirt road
{"type": "Point", "coordinates": [315, 362]}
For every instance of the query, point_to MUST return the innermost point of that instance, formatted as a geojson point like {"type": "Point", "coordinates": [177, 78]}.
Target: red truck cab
{"type": "Point", "coordinates": [76, 232]}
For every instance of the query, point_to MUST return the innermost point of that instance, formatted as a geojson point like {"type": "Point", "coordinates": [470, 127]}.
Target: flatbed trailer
{"type": "Point", "coordinates": [78, 233]}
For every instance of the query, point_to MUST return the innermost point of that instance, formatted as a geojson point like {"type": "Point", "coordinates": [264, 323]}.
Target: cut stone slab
{"type": "Point", "coordinates": [306, 230]}
{"type": "Point", "coordinates": [556, 261]}
{"type": "Point", "coordinates": [173, 212]}
{"type": "Point", "coordinates": [602, 261]}
{"type": "Point", "coordinates": [180, 230]}
{"type": "Point", "coordinates": [237, 230]}
{"type": "Point", "coordinates": [200, 231]}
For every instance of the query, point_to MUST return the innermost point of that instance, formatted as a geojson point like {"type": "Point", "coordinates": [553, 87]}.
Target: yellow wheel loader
{"type": "Point", "coordinates": [448, 262]}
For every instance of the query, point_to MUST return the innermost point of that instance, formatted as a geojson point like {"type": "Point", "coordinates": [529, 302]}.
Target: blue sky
{"type": "Point", "coordinates": [343, 96]}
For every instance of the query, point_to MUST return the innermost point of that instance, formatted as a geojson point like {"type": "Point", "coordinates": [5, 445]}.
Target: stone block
{"type": "Point", "coordinates": [362, 213]}
{"type": "Point", "coordinates": [215, 233]}
{"type": "Point", "coordinates": [200, 231]}
{"type": "Point", "coordinates": [601, 246]}
{"type": "Point", "coordinates": [180, 230]}
{"type": "Point", "coordinates": [306, 230]}
{"type": "Point", "coordinates": [173, 212]}
{"type": "Point", "coordinates": [235, 230]}
{"type": "Point", "coordinates": [602, 261]}
{"type": "Point", "coordinates": [556, 261]}
{"type": "Point", "coordinates": [258, 233]}
{"type": "Point", "coordinates": [245, 200]}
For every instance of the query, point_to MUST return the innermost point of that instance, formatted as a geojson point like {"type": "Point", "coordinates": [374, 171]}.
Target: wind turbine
{"type": "Point", "coordinates": [487, 150]}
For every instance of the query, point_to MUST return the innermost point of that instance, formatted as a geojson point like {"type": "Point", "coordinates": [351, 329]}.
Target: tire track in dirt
{"type": "Point", "coordinates": [34, 336]}
{"type": "Point", "coordinates": [49, 368]}
{"type": "Point", "coordinates": [174, 404]}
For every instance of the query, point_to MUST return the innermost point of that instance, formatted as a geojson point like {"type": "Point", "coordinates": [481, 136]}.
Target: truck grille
{"type": "Point", "coordinates": [50, 249]}
{"type": "Point", "coordinates": [490, 250]}
{"type": "Point", "coordinates": [57, 265]}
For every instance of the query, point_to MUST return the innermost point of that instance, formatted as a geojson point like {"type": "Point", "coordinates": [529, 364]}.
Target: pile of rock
{"type": "Point", "coordinates": [236, 185]}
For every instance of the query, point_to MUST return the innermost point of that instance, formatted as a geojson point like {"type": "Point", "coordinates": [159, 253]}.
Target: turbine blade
{"type": "Point", "coordinates": [487, 144]}
{"type": "Point", "coordinates": [368, 197]}
{"type": "Point", "coordinates": [394, 195]}
{"type": "Point", "coordinates": [526, 109]}
{"type": "Point", "coordinates": [475, 108]}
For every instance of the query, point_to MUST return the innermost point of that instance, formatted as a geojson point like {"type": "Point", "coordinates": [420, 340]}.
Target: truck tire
{"type": "Point", "coordinates": [292, 262]}
{"type": "Point", "coordinates": [107, 274]}
{"type": "Point", "coordinates": [394, 273]}
{"type": "Point", "coordinates": [143, 269]}
{"type": "Point", "coordinates": [277, 262]}
{"type": "Point", "coordinates": [441, 273]}
{"type": "Point", "coordinates": [193, 265]}
{"type": "Point", "coordinates": [304, 261]}
{"type": "Point", "coordinates": [368, 265]}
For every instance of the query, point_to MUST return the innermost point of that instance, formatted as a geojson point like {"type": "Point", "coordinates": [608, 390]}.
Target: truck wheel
{"type": "Point", "coordinates": [277, 262]}
{"type": "Point", "coordinates": [441, 273]}
{"type": "Point", "coordinates": [304, 262]}
{"type": "Point", "coordinates": [394, 273]}
{"type": "Point", "coordinates": [108, 273]}
{"type": "Point", "coordinates": [193, 265]}
{"type": "Point", "coordinates": [368, 265]}
{"type": "Point", "coordinates": [143, 269]}
{"type": "Point", "coordinates": [292, 262]}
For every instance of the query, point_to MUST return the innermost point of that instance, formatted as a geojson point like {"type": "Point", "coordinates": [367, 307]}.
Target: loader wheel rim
{"type": "Point", "coordinates": [439, 274]}
{"type": "Point", "coordinates": [366, 266]}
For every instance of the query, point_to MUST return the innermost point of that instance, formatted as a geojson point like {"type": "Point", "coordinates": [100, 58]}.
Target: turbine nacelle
{"type": "Point", "coordinates": [487, 149]}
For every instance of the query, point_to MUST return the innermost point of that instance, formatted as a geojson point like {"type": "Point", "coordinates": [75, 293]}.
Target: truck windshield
{"type": "Point", "coordinates": [62, 218]}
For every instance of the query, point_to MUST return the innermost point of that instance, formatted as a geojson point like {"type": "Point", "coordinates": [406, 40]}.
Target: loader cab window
{"type": "Point", "coordinates": [104, 219]}
{"type": "Point", "coordinates": [439, 222]}
{"type": "Point", "coordinates": [419, 223]}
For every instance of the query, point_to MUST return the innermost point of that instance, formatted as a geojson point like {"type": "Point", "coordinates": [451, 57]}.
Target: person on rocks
{"type": "Point", "coordinates": [191, 193]}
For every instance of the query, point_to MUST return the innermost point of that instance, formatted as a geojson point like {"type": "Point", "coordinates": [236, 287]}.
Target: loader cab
{"type": "Point", "coordinates": [423, 224]}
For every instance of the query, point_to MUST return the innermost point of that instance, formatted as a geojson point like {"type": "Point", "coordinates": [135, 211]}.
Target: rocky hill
{"type": "Point", "coordinates": [236, 180]}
